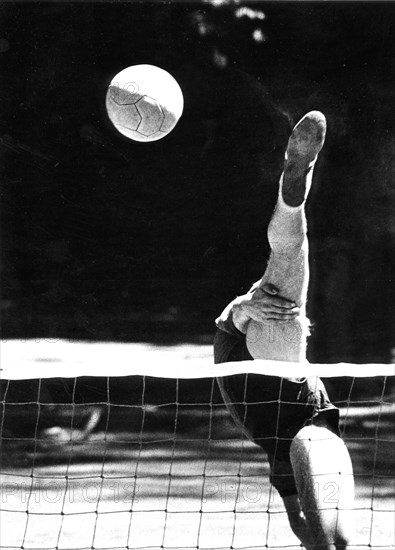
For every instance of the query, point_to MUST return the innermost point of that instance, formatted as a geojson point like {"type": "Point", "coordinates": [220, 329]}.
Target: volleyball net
{"type": "Point", "coordinates": [130, 446]}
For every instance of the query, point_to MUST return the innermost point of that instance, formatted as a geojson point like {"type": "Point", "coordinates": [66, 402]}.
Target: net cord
{"type": "Point", "coordinates": [65, 359]}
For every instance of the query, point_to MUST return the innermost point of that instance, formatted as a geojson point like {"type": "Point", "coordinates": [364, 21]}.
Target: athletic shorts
{"type": "Point", "coordinates": [271, 410]}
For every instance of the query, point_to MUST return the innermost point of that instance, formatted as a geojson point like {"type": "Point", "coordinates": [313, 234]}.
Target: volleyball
{"type": "Point", "coordinates": [144, 102]}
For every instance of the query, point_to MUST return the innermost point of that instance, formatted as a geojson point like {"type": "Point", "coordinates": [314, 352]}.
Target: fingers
{"type": "Point", "coordinates": [282, 316]}
{"type": "Point", "coordinates": [265, 317]}
{"type": "Point", "coordinates": [280, 304]}
{"type": "Point", "coordinates": [270, 289]}
{"type": "Point", "coordinates": [274, 302]}
{"type": "Point", "coordinates": [264, 305]}
{"type": "Point", "coordinates": [263, 314]}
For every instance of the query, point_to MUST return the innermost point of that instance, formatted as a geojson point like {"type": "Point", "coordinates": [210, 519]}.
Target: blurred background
{"type": "Point", "coordinates": [103, 238]}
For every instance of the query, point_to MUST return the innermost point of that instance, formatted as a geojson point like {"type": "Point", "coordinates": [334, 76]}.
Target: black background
{"type": "Point", "coordinates": [108, 239]}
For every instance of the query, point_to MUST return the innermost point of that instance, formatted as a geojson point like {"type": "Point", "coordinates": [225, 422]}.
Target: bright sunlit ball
{"type": "Point", "coordinates": [144, 102]}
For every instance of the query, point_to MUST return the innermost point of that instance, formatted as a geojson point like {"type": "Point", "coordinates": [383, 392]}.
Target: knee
{"type": "Point", "coordinates": [297, 523]}
{"type": "Point", "coordinates": [342, 541]}
{"type": "Point", "coordinates": [345, 531]}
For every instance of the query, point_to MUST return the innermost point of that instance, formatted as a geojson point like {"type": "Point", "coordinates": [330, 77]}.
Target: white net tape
{"type": "Point", "coordinates": [23, 360]}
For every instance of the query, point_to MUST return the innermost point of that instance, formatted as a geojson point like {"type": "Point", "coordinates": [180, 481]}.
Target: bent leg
{"type": "Point", "coordinates": [287, 268]}
{"type": "Point", "coordinates": [324, 479]}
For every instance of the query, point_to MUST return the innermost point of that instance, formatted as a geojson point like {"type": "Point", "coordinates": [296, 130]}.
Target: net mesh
{"type": "Point", "coordinates": [152, 462]}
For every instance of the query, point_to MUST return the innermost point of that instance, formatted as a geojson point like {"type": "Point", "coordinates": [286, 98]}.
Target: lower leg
{"type": "Point", "coordinates": [287, 269]}
{"type": "Point", "coordinates": [287, 232]}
